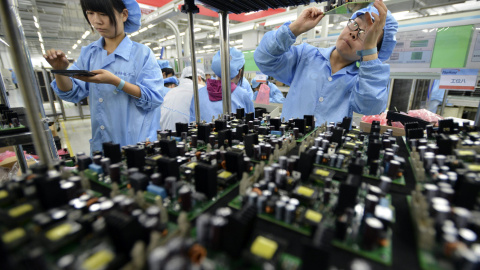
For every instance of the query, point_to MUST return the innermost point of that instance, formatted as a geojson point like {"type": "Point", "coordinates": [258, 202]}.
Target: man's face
{"type": "Point", "coordinates": [348, 43]}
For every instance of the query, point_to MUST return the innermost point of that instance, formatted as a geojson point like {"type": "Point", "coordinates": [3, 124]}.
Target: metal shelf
{"type": "Point", "coordinates": [252, 5]}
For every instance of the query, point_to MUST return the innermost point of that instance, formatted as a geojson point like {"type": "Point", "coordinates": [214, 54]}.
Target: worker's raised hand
{"type": "Point", "coordinates": [101, 76]}
{"type": "Point", "coordinates": [307, 20]}
{"type": "Point", "coordinates": [56, 58]}
{"type": "Point", "coordinates": [375, 29]}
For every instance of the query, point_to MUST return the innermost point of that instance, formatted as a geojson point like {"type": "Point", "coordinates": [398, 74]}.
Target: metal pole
{"type": "Point", "coordinates": [3, 92]}
{"type": "Point", "coordinates": [225, 57]}
{"type": "Point", "coordinates": [26, 78]}
{"type": "Point", "coordinates": [444, 102]}
{"type": "Point", "coordinates": [21, 158]}
{"type": "Point", "coordinates": [412, 94]}
{"type": "Point", "coordinates": [191, 34]}
{"type": "Point", "coordinates": [477, 116]}
{"type": "Point", "coordinates": [49, 91]}
{"type": "Point", "coordinates": [80, 110]}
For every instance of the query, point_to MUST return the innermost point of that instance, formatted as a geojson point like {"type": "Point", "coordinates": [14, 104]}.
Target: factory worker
{"type": "Point", "coordinates": [176, 104]}
{"type": "Point", "coordinates": [168, 84]}
{"type": "Point", "coordinates": [14, 78]}
{"type": "Point", "coordinates": [245, 84]}
{"type": "Point", "coordinates": [167, 70]}
{"type": "Point", "coordinates": [436, 96]}
{"type": "Point", "coordinates": [126, 88]}
{"type": "Point", "coordinates": [210, 96]}
{"type": "Point", "coordinates": [331, 83]}
{"type": "Point", "coordinates": [276, 95]}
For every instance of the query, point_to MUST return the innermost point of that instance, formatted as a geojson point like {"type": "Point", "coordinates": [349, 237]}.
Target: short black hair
{"type": "Point", "coordinates": [103, 6]}
{"type": "Point", "coordinates": [191, 78]}
{"type": "Point", "coordinates": [170, 84]}
{"type": "Point", "coordinates": [168, 71]}
{"type": "Point", "coordinates": [241, 75]}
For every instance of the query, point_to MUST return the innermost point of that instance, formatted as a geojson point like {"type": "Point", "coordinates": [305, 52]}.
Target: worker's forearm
{"type": "Point", "coordinates": [128, 88]}
{"type": "Point", "coordinates": [63, 83]}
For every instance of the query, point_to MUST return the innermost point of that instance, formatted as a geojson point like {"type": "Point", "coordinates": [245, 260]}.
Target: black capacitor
{"type": "Point", "coordinates": [202, 225]}
{"type": "Point", "coordinates": [153, 211]}
{"type": "Point", "coordinates": [373, 151]}
{"type": "Point", "coordinates": [180, 128]}
{"type": "Point", "coordinates": [394, 169]}
{"type": "Point", "coordinates": [42, 220]}
{"type": "Point", "coordinates": [112, 151]}
{"type": "Point", "coordinates": [290, 213]}
{"type": "Point", "coordinates": [337, 136]}
{"type": "Point", "coordinates": [206, 179]}
{"type": "Point", "coordinates": [157, 179]}
{"type": "Point", "coordinates": [135, 157]}
{"type": "Point", "coordinates": [35, 259]}
{"type": "Point", "coordinates": [261, 204]}
{"type": "Point", "coordinates": [69, 190]}
{"type": "Point", "coordinates": [77, 181]}
{"type": "Point", "coordinates": [194, 141]}
{"type": "Point", "coordinates": [138, 181]}
{"type": "Point", "coordinates": [373, 228]}
{"type": "Point", "coordinates": [171, 186]}
{"type": "Point", "coordinates": [168, 167]}
{"type": "Point", "coordinates": [281, 178]}
{"type": "Point", "coordinates": [203, 132]}
{"type": "Point", "coordinates": [467, 189]}
{"type": "Point", "coordinates": [115, 174]}
{"type": "Point", "coordinates": [385, 183]}
{"type": "Point", "coordinates": [341, 225]}
{"type": "Point", "coordinates": [374, 165]}
{"type": "Point", "coordinates": [441, 212]}
{"type": "Point", "coordinates": [97, 159]}
{"type": "Point", "coordinates": [326, 196]}
{"type": "Point", "coordinates": [217, 229]}
{"type": "Point", "coordinates": [371, 202]}
{"type": "Point", "coordinates": [234, 163]}
{"type": "Point", "coordinates": [83, 161]}
{"type": "Point", "coordinates": [346, 197]}
{"type": "Point", "coordinates": [49, 192]}
{"type": "Point", "coordinates": [105, 162]}
{"type": "Point", "coordinates": [249, 117]}
{"type": "Point", "coordinates": [461, 216]}
{"type": "Point", "coordinates": [252, 198]}
{"type": "Point", "coordinates": [168, 148]}
{"type": "Point", "coordinates": [185, 195]}
{"type": "Point", "coordinates": [132, 171]}
{"type": "Point", "coordinates": [276, 122]}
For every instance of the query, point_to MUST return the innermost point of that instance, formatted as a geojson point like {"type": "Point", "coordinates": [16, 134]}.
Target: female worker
{"type": "Point", "coordinates": [210, 97]}
{"type": "Point", "coordinates": [276, 95]}
{"type": "Point", "coordinates": [126, 87]}
{"type": "Point", "coordinates": [332, 83]}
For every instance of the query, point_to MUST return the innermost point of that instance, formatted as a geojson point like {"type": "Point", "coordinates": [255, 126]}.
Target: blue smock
{"type": "Point", "coordinates": [314, 90]}
{"type": "Point", "coordinates": [119, 117]}
{"type": "Point", "coordinates": [14, 77]}
{"type": "Point", "coordinates": [276, 95]}
{"type": "Point", "coordinates": [209, 109]}
{"type": "Point", "coordinates": [246, 85]}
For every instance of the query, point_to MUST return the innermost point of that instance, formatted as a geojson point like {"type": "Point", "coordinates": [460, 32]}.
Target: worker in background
{"type": "Point", "coordinates": [14, 78]}
{"type": "Point", "coordinates": [248, 87]}
{"type": "Point", "coordinates": [331, 83]}
{"type": "Point", "coordinates": [126, 87]}
{"type": "Point", "coordinates": [176, 104]}
{"type": "Point", "coordinates": [167, 70]}
{"type": "Point", "coordinates": [276, 95]}
{"type": "Point", "coordinates": [436, 96]}
{"type": "Point", "coordinates": [210, 96]}
{"type": "Point", "coordinates": [168, 84]}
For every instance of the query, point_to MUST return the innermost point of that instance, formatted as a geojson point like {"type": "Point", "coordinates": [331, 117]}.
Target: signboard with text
{"type": "Point", "coordinates": [458, 79]}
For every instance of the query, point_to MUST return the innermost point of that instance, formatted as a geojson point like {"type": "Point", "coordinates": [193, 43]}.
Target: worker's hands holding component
{"type": "Point", "coordinates": [375, 26]}
{"type": "Point", "coordinates": [307, 20]}
{"type": "Point", "coordinates": [56, 58]}
{"type": "Point", "coordinates": [101, 76]}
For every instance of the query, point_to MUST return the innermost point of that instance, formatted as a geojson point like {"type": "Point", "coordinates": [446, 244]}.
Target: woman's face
{"type": "Point", "coordinates": [101, 22]}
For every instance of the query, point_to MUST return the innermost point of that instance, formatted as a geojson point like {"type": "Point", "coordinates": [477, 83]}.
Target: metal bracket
{"type": "Point", "coordinates": [190, 6]}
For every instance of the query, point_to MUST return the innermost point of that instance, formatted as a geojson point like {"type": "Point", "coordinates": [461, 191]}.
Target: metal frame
{"type": "Point", "coordinates": [225, 58]}
{"type": "Point", "coordinates": [45, 147]}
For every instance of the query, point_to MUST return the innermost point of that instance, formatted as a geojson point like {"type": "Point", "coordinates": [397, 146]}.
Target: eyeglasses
{"type": "Point", "coordinates": [353, 25]}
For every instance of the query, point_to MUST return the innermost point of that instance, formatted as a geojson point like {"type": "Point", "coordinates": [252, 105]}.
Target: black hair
{"type": "Point", "coordinates": [168, 71]}
{"type": "Point", "coordinates": [103, 6]}
{"type": "Point", "coordinates": [241, 75]}
{"type": "Point", "coordinates": [169, 84]}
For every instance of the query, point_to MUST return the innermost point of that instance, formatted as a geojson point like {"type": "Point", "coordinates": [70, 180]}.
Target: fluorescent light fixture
{"type": "Point", "coordinates": [211, 36]}
{"type": "Point", "coordinates": [250, 13]}
{"type": "Point", "coordinates": [201, 51]}
{"type": "Point", "coordinates": [41, 45]}
{"type": "Point", "coordinates": [207, 46]}
{"type": "Point", "coordinates": [162, 39]}
{"type": "Point", "coordinates": [232, 42]}
{"type": "Point", "coordinates": [74, 46]}
{"type": "Point", "coordinates": [182, 34]}
{"type": "Point", "coordinates": [150, 26]}
{"type": "Point", "coordinates": [281, 19]}
{"type": "Point", "coordinates": [169, 47]}
{"type": "Point", "coordinates": [85, 34]}
{"type": "Point", "coordinates": [157, 55]}
{"type": "Point", "coordinates": [35, 19]}
{"type": "Point", "coordinates": [148, 44]}
{"type": "Point", "coordinates": [208, 51]}
{"type": "Point", "coordinates": [43, 52]}
{"type": "Point", "coordinates": [40, 36]}
{"type": "Point", "coordinates": [36, 24]}
{"type": "Point", "coordinates": [171, 37]}
{"type": "Point", "coordinates": [197, 29]}
{"type": "Point", "coordinates": [69, 52]}
{"type": "Point", "coordinates": [143, 29]}
{"type": "Point", "coordinates": [216, 23]}
{"type": "Point", "coordinates": [4, 42]}
{"type": "Point", "coordinates": [242, 28]}
{"type": "Point", "coordinates": [238, 41]}
{"type": "Point", "coordinates": [156, 48]}
{"type": "Point", "coordinates": [135, 33]}
{"type": "Point", "coordinates": [238, 46]}
{"type": "Point", "coordinates": [79, 41]}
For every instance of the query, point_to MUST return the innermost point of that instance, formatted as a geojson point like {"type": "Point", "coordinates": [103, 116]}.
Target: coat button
{"type": "Point", "coordinates": [320, 99]}
{"type": "Point", "coordinates": [102, 127]}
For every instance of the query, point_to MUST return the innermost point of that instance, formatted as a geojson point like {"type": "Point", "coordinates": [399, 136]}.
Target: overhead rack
{"type": "Point", "coordinates": [255, 5]}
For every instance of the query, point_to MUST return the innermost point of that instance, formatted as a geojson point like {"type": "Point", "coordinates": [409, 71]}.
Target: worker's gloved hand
{"type": "Point", "coordinates": [56, 58]}
{"type": "Point", "coordinates": [375, 26]}
{"type": "Point", "coordinates": [307, 20]}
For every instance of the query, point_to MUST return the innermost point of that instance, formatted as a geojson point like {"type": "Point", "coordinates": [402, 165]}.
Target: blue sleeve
{"type": "Point", "coordinates": [275, 55]}
{"type": "Point", "coordinates": [276, 95]}
{"type": "Point", "coordinates": [192, 110]}
{"type": "Point", "coordinates": [370, 95]}
{"type": "Point", "coordinates": [246, 85]}
{"type": "Point", "coordinates": [150, 83]}
{"type": "Point", "coordinates": [80, 88]}
{"type": "Point", "coordinates": [248, 104]}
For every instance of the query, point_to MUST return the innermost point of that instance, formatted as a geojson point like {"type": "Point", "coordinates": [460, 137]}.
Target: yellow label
{"type": "Point", "coordinates": [214, 133]}
{"type": "Point", "coordinates": [264, 247]}
{"type": "Point", "coordinates": [13, 235]}
{"type": "Point", "coordinates": [241, 147]}
{"type": "Point", "coordinates": [98, 260]}
{"type": "Point", "coordinates": [3, 194]}
{"type": "Point", "coordinates": [313, 216]}
{"type": "Point", "coordinates": [20, 210]}
{"type": "Point", "coordinates": [156, 157]}
{"type": "Point", "coordinates": [466, 153]}
{"type": "Point", "coordinates": [474, 168]}
{"type": "Point", "coordinates": [225, 174]}
{"type": "Point", "coordinates": [322, 172]}
{"type": "Point", "coordinates": [59, 232]}
{"type": "Point", "coordinates": [351, 135]}
{"type": "Point", "coordinates": [350, 144]}
{"type": "Point", "coordinates": [344, 152]}
{"type": "Point", "coordinates": [192, 165]}
{"type": "Point", "coordinates": [307, 192]}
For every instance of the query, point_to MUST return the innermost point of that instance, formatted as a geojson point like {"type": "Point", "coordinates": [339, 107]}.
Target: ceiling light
{"type": "Point", "coordinates": [216, 23]}
{"type": "Point", "coordinates": [36, 25]}
{"type": "Point", "coordinates": [211, 36]}
{"type": "Point", "coordinates": [143, 29]}
{"type": "Point", "coordinates": [197, 29]}
{"type": "Point", "coordinates": [238, 41]}
{"type": "Point", "coordinates": [79, 41]}
{"type": "Point", "coordinates": [207, 46]}
{"type": "Point", "coordinates": [85, 34]}
{"type": "Point", "coordinates": [232, 42]}
{"type": "Point", "coordinates": [43, 52]}
{"type": "Point", "coordinates": [74, 46]}
{"type": "Point", "coordinates": [129, 36]}
{"type": "Point", "coordinates": [135, 33]}
{"type": "Point", "coordinates": [250, 13]}
{"type": "Point", "coordinates": [150, 26]}
{"type": "Point", "coordinates": [69, 52]}
{"type": "Point", "coordinates": [182, 34]}
{"type": "Point", "coordinates": [3, 41]}
{"type": "Point", "coordinates": [35, 19]}
{"type": "Point", "coordinates": [209, 51]}
{"type": "Point", "coordinates": [41, 45]}
{"type": "Point", "coordinates": [169, 47]}
{"type": "Point", "coordinates": [242, 28]}
{"type": "Point", "coordinates": [157, 55]}
{"type": "Point", "coordinates": [238, 46]}
{"type": "Point", "coordinates": [171, 37]}
{"type": "Point", "coordinates": [148, 44]}
{"type": "Point", "coordinates": [162, 39]}
{"type": "Point", "coordinates": [156, 48]}
{"type": "Point", "coordinates": [201, 51]}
